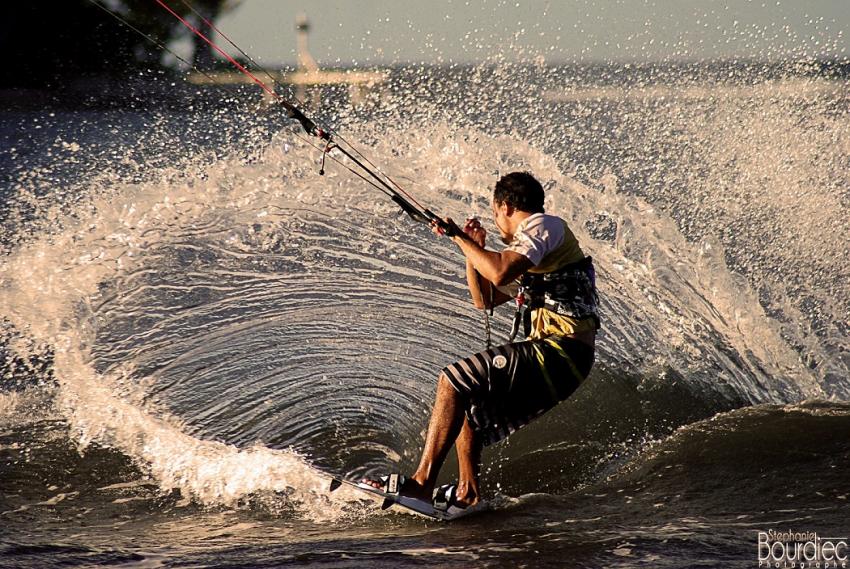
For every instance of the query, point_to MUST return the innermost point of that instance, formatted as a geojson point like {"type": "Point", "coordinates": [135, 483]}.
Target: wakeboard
{"type": "Point", "coordinates": [406, 503]}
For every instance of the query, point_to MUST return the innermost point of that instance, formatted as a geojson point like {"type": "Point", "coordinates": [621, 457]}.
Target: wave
{"type": "Point", "coordinates": [239, 325]}
{"type": "Point", "coordinates": [686, 472]}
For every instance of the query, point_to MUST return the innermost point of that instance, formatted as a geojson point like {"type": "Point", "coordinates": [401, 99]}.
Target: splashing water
{"type": "Point", "coordinates": [235, 324]}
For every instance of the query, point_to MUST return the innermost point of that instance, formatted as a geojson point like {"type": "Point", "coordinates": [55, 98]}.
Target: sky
{"type": "Point", "coordinates": [371, 32]}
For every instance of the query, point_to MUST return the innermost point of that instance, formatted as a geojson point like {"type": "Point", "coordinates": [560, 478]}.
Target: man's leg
{"type": "Point", "coordinates": [447, 417]}
{"type": "Point", "coordinates": [468, 447]}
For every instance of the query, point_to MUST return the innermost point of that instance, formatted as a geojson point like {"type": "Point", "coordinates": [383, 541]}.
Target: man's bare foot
{"type": "Point", "coordinates": [463, 495]}
{"type": "Point", "coordinates": [467, 499]}
{"type": "Point", "coordinates": [410, 488]}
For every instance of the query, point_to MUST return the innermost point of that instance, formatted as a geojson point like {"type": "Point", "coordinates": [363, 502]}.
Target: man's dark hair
{"type": "Point", "coordinates": [521, 191]}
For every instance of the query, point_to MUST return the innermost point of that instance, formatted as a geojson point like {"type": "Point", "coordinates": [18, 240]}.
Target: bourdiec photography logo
{"type": "Point", "coordinates": [801, 550]}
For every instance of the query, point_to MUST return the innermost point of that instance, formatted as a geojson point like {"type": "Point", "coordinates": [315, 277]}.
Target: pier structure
{"type": "Point", "coordinates": [307, 76]}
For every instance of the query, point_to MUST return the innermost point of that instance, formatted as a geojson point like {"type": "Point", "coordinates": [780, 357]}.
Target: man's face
{"type": "Point", "coordinates": [500, 218]}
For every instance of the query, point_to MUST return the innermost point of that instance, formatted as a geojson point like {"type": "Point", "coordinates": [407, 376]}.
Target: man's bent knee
{"type": "Point", "coordinates": [445, 386]}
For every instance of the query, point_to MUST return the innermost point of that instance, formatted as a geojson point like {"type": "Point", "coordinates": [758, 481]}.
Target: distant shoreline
{"type": "Point", "coordinates": [169, 89]}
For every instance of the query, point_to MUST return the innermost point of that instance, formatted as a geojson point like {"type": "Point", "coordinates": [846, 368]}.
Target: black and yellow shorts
{"type": "Point", "coordinates": [508, 386]}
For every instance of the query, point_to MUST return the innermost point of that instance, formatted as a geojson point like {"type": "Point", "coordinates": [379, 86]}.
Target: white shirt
{"type": "Point", "coordinates": [537, 236]}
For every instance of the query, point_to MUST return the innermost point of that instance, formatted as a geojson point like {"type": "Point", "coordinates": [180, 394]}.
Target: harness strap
{"type": "Point", "coordinates": [518, 315]}
{"type": "Point", "coordinates": [487, 315]}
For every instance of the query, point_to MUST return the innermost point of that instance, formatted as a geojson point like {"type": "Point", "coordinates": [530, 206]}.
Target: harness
{"type": "Point", "coordinates": [569, 291]}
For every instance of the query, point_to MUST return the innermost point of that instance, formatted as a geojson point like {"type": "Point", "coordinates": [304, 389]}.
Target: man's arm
{"type": "Point", "coordinates": [480, 289]}
{"type": "Point", "coordinates": [483, 292]}
{"type": "Point", "coordinates": [500, 268]}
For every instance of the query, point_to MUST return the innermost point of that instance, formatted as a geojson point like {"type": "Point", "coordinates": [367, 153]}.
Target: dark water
{"type": "Point", "coordinates": [197, 327]}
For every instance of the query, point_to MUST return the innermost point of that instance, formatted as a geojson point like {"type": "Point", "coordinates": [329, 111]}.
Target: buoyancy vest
{"type": "Point", "coordinates": [557, 295]}
{"type": "Point", "coordinates": [568, 291]}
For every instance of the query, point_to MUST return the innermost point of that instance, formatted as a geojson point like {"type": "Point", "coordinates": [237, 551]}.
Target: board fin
{"type": "Point", "coordinates": [335, 483]}
{"type": "Point", "coordinates": [387, 503]}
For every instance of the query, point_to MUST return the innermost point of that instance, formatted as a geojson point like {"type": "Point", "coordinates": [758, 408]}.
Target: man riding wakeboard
{"type": "Point", "coordinates": [487, 396]}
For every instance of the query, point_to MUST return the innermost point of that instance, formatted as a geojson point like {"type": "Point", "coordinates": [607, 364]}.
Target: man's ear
{"type": "Point", "coordinates": [509, 209]}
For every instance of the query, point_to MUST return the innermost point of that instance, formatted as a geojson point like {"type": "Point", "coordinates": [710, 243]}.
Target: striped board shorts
{"type": "Point", "coordinates": [508, 386]}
